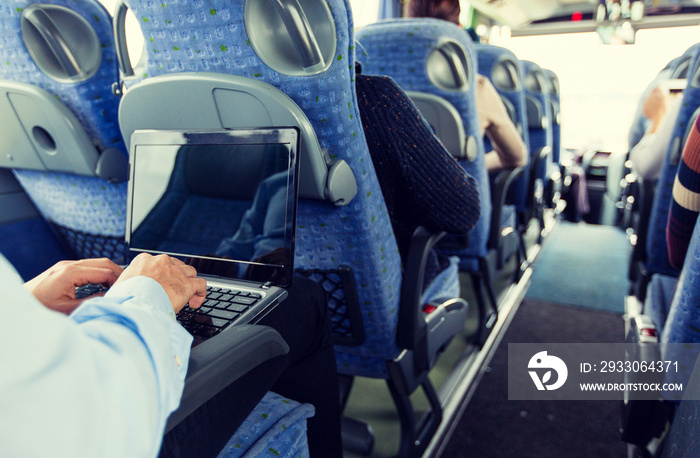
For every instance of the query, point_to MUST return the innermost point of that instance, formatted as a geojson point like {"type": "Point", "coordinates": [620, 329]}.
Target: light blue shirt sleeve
{"type": "Point", "coordinates": [101, 382]}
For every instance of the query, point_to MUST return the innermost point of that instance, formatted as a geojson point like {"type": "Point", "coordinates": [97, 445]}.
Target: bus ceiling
{"type": "Point", "coordinates": [616, 19]}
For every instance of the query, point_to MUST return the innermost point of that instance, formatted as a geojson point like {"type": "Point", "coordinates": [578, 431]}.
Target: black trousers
{"type": "Point", "coordinates": [306, 374]}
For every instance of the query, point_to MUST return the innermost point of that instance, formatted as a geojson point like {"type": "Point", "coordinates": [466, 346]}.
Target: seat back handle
{"type": "Point", "coordinates": [54, 39]}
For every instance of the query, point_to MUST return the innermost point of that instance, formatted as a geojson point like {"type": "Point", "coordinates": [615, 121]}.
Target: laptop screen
{"type": "Point", "coordinates": [223, 201]}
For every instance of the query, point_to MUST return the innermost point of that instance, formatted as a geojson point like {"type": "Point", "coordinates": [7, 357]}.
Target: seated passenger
{"type": "Point", "coordinates": [422, 184]}
{"type": "Point", "coordinates": [103, 380]}
{"type": "Point", "coordinates": [685, 205]}
{"type": "Point", "coordinates": [98, 363]}
{"type": "Point", "coordinates": [682, 217]}
{"type": "Point", "coordinates": [508, 146]}
{"type": "Point", "coordinates": [647, 156]}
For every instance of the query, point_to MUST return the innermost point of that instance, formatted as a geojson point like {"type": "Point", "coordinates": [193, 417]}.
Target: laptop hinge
{"type": "Point", "coordinates": [266, 285]}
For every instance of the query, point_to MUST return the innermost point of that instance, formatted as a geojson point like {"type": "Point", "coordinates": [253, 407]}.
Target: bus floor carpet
{"type": "Point", "coordinates": [493, 426]}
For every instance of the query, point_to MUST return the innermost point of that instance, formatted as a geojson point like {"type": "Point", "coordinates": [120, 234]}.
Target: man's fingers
{"type": "Point", "coordinates": [82, 275]}
{"type": "Point", "coordinates": [199, 294]}
{"type": "Point", "coordinates": [103, 263]}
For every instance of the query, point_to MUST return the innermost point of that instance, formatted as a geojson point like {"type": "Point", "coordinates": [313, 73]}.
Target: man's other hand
{"type": "Point", "coordinates": [177, 278]}
{"type": "Point", "coordinates": [55, 288]}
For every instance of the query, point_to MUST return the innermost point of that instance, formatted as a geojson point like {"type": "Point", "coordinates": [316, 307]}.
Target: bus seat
{"type": "Point", "coordinates": [656, 258]}
{"type": "Point", "coordinates": [640, 193]}
{"type": "Point", "coordinates": [539, 118]}
{"type": "Point", "coordinates": [59, 133]}
{"type": "Point", "coordinates": [350, 249]}
{"type": "Point", "coordinates": [644, 420]}
{"type": "Point", "coordinates": [553, 187]}
{"type": "Point", "coordinates": [505, 72]}
{"type": "Point", "coordinates": [286, 435]}
{"type": "Point", "coordinates": [553, 89]}
{"type": "Point", "coordinates": [437, 58]}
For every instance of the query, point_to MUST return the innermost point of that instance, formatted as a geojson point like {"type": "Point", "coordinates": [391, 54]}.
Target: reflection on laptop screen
{"type": "Point", "coordinates": [223, 201]}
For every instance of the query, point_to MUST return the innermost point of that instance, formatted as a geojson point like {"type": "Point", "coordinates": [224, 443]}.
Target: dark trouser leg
{"type": "Point", "coordinates": [311, 375]}
{"type": "Point", "coordinates": [205, 432]}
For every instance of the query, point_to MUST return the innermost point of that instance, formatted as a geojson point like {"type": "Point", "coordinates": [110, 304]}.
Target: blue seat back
{"type": "Point", "coordinates": [505, 71]}
{"type": "Point", "coordinates": [555, 109]}
{"type": "Point", "coordinates": [89, 212]}
{"type": "Point", "coordinates": [403, 49]}
{"type": "Point", "coordinates": [657, 259]}
{"type": "Point", "coordinates": [538, 113]}
{"type": "Point", "coordinates": [683, 321]}
{"type": "Point", "coordinates": [192, 37]}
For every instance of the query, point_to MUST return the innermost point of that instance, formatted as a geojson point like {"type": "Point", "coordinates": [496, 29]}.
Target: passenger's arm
{"type": "Point", "coordinates": [509, 148]}
{"type": "Point", "coordinates": [685, 204]}
{"type": "Point", "coordinates": [648, 155]}
{"type": "Point", "coordinates": [99, 383]}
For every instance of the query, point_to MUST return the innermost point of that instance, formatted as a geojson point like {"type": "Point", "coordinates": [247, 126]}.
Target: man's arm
{"type": "Point", "coordinates": [102, 382]}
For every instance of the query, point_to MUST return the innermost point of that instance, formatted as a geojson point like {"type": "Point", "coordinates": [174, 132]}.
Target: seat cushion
{"type": "Point", "coordinates": [276, 427]}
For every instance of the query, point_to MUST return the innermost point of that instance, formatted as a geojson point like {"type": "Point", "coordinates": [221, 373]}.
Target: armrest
{"type": "Point", "coordinates": [216, 363]}
{"type": "Point", "coordinates": [425, 334]}
{"type": "Point", "coordinates": [411, 327]}
{"type": "Point", "coordinates": [642, 420]}
{"type": "Point", "coordinates": [501, 184]}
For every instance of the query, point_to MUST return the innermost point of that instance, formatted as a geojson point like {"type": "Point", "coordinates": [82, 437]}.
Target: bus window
{"type": "Point", "coordinates": [600, 84]}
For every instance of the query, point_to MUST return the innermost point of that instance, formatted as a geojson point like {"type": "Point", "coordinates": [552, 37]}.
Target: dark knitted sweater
{"type": "Point", "coordinates": [423, 185]}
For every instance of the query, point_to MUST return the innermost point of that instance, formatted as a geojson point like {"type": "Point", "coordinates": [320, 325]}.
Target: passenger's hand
{"type": "Point", "coordinates": [177, 278]}
{"type": "Point", "coordinates": [55, 288]}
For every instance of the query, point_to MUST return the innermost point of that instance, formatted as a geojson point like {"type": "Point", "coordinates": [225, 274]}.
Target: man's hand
{"type": "Point", "coordinates": [55, 288]}
{"type": "Point", "coordinates": [177, 278]}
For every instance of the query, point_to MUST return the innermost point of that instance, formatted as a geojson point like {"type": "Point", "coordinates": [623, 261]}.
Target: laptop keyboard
{"type": "Point", "coordinates": [221, 307]}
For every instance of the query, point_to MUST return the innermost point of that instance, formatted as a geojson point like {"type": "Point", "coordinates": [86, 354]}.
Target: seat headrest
{"type": "Point", "coordinates": [505, 75]}
{"type": "Point", "coordinates": [448, 67]}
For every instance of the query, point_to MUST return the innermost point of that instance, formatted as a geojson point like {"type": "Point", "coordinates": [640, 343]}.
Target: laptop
{"type": "Point", "coordinates": [225, 202]}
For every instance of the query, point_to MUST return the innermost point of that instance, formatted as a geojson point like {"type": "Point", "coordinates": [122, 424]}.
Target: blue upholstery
{"type": "Point", "coordinates": [657, 261]}
{"type": "Point", "coordinates": [489, 57]}
{"type": "Point", "coordinates": [359, 235]}
{"type": "Point", "coordinates": [399, 49]}
{"type": "Point", "coordinates": [683, 321]}
{"type": "Point", "coordinates": [276, 427]}
{"type": "Point", "coordinates": [444, 286]}
{"type": "Point", "coordinates": [659, 297]}
{"type": "Point", "coordinates": [540, 135]}
{"type": "Point", "coordinates": [83, 208]}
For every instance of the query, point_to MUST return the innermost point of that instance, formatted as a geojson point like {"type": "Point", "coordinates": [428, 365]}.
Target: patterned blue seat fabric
{"type": "Point", "coordinates": [683, 321]}
{"type": "Point", "coordinates": [88, 212]}
{"type": "Point", "coordinates": [400, 49]}
{"type": "Point", "coordinates": [276, 427]}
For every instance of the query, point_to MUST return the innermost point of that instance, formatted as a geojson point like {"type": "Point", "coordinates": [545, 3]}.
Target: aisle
{"type": "Point", "coordinates": [493, 426]}
{"type": "Point", "coordinates": [582, 264]}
